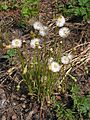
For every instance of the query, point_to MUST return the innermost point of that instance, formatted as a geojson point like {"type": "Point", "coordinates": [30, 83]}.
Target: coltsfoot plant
{"type": "Point", "coordinates": [44, 70]}
{"type": "Point", "coordinates": [41, 71]}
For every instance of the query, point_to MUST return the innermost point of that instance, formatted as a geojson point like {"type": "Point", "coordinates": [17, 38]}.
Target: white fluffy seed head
{"type": "Point", "coordinates": [37, 25]}
{"type": "Point", "coordinates": [64, 32]}
{"type": "Point", "coordinates": [60, 21]}
{"type": "Point", "coordinates": [35, 42]}
{"type": "Point", "coordinates": [54, 66]}
{"type": "Point", "coordinates": [16, 43]}
{"type": "Point", "coordinates": [43, 31]}
{"type": "Point", "coordinates": [65, 59]}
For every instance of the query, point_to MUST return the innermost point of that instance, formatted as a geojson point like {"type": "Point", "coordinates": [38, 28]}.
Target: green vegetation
{"type": "Point", "coordinates": [27, 7]}
{"type": "Point", "coordinates": [79, 8]}
{"type": "Point", "coordinates": [10, 53]}
{"type": "Point", "coordinates": [79, 108]}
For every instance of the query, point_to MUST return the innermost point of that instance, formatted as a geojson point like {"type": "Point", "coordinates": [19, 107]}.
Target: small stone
{"type": "Point", "coordinates": [29, 117]}
{"type": "Point", "coordinates": [3, 118]}
{"type": "Point", "coordinates": [3, 101]}
{"type": "Point", "coordinates": [14, 103]}
{"type": "Point", "coordinates": [23, 98]}
{"type": "Point", "coordinates": [14, 117]}
{"type": "Point", "coordinates": [23, 105]}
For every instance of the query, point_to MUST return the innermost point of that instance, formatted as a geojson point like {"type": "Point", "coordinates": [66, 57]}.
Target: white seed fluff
{"type": "Point", "coordinates": [54, 66]}
{"type": "Point", "coordinates": [64, 32]}
{"type": "Point", "coordinates": [37, 25]}
{"type": "Point", "coordinates": [35, 42]}
{"type": "Point", "coordinates": [65, 59]}
{"type": "Point", "coordinates": [43, 31]}
{"type": "Point", "coordinates": [60, 21]}
{"type": "Point", "coordinates": [16, 43]}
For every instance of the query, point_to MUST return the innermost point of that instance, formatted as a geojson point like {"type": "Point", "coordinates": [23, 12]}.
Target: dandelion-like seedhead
{"type": "Point", "coordinates": [43, 31]}
{"type": "Point", "coordinates": [64, 32]}
{"type": "Point", "coordinates": [16, 43]}
{"type": "Point", "coordinates": [37, 25]}
{"type": "Point", "coordinates": [60, 21]}
{"type": "Point", "coordinates": [54, 66]}
{"type": "Point", "coordinates": [66, 59]}
{"type": "Point", "coordinates": [35, 43]}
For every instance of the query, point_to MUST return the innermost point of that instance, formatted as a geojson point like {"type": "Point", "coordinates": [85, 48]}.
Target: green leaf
{"type": "Point", "coordinates": [83, 2]}
{"type": "Point", "coordinates": [88, 15]}
{"type": "Point", "coordinates": [5, 56]}
{"type": "Point", "coordinates": [83, 11]}
{"type": "Point", "coordinates": [69, 115]}
{"type": "Point", "coordinates": [5, 7]}
{"type": "Point", "coordinates": [77, 11]}
{"type": "Point", "coordinates": [80, 11]}
{"type": "Point", "coordinates": [11, 52]}
{"type": "Point", "coordinates": [84, 105]}
{"type": "Point", "coordinates": [25, 11]}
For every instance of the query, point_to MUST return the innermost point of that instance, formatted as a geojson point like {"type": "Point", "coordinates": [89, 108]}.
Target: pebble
{"type": "Point", "coordinates": [14, 117]}
{"type": "Point", "coordinates": [29, 117]}
{"type": "Point", "coordinates": [3, 118]}
{"type": "Point", "coordinates": [23, 105]}
{"type": "Point", "coordinates": [3, 99]}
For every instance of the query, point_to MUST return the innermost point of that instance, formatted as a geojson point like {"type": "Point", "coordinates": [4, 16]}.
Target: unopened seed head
{"type": "Point", "coordinates": [50, 60]}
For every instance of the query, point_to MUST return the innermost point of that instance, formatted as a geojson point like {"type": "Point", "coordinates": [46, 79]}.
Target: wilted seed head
{"type": "Point", "coordinates": [60, 21]}
{"type": "Point", "coordinates": [64, 32]}
{"type": "Point", "coordinates": [35, 43]}
{"type": "Point", "coordinates": [16, 43]}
